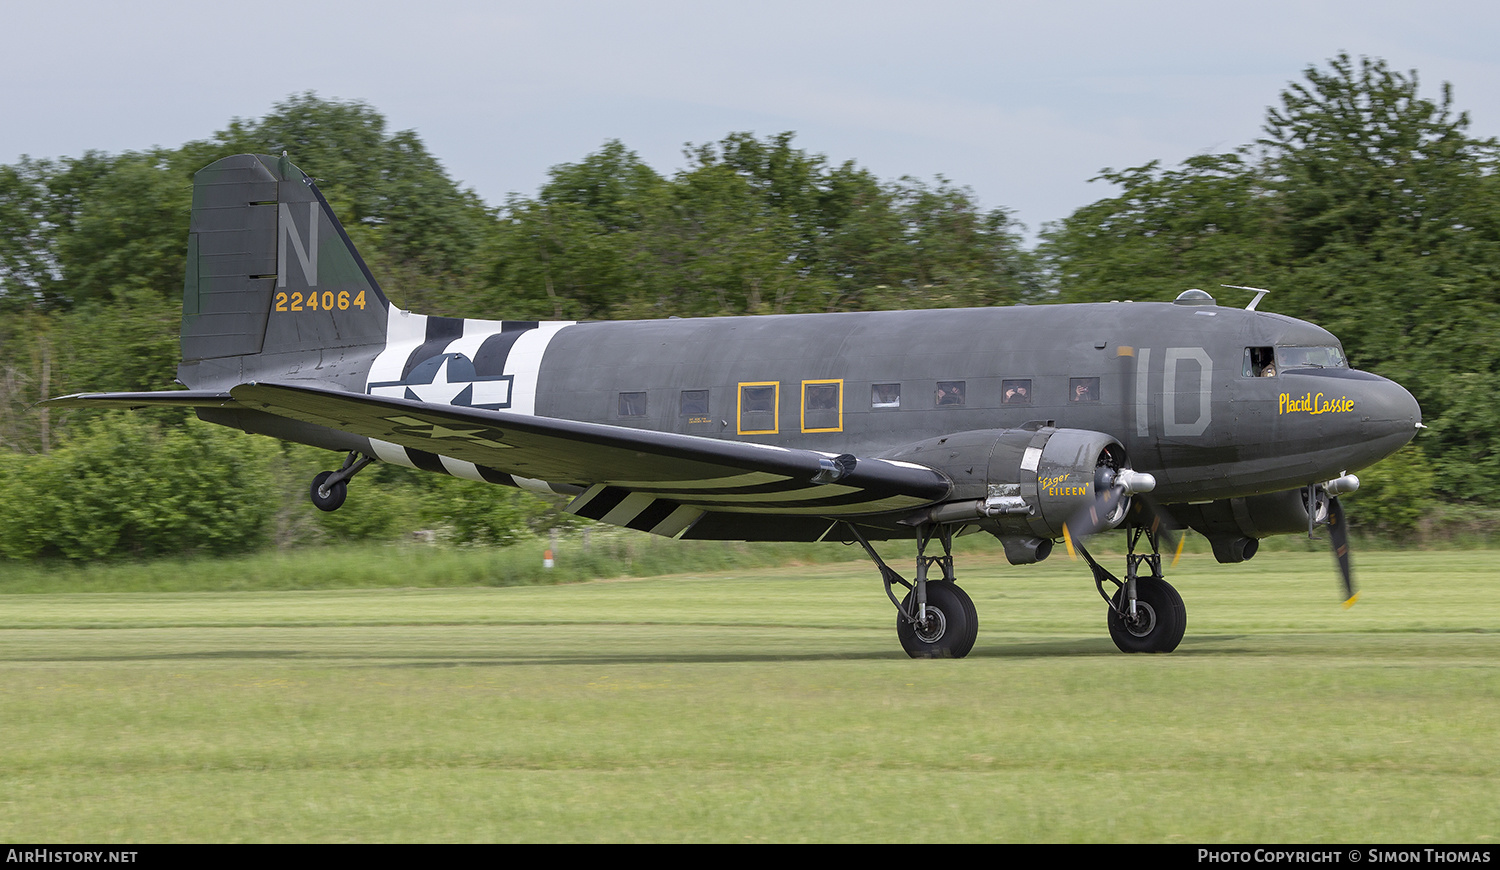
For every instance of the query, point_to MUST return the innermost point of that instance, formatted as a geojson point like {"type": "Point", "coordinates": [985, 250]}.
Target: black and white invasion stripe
{"type": "Point", "coordinates": [488, 352]}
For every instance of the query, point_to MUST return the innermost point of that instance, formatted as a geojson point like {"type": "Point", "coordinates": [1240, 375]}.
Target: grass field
{"type": "Point", "coordinates": [765, 704]}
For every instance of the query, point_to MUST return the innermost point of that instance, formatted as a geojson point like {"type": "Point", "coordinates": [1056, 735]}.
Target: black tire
{"type": "Point", "coordinates": [336, 493]}
{"type": "Point", "coordinates": [1162, 618]}
{"type": "Point", "coordinates": [953, 624]}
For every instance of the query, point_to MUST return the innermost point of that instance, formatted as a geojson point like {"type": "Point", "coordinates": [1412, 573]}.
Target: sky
{"type": "Point", "coordinates": [1022, 102]}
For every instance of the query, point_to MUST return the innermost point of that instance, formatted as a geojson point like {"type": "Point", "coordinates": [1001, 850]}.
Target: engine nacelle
{"type": "Point", "coordinates": [1020, 484]}
{"type": "Point", "coordinates": [1234, 526]}
{"type": "Point", "coordinates": [1025, 550]}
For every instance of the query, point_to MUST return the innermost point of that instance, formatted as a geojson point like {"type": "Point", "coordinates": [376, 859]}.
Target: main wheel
{"type": "Point", "coordinates": [336, 493]}
{"type": "Point", "coordinates": [1161, 618]}
{"type": "Point", "coordinates": [952, 624]}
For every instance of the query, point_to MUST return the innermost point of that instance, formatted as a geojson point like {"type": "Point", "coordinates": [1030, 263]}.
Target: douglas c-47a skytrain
{"type": "Point", "coordinates": [1037, 424]}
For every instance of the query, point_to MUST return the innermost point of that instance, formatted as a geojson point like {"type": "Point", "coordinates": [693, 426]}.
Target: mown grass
{"type": "Point", "coordinates": [607, 554]}
{"type": "Point", "coordinates": [604, 553]}
{"type": "Point", "coordinates": [760, 704]}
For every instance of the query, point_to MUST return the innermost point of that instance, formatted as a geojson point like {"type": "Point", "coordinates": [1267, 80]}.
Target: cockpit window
{"type": "Point", "coordinates": [1311, 358]}
{"type": "Point", "coordinates": [1260, 362]}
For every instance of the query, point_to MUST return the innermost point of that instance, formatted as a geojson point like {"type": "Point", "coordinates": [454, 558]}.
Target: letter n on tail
{"type": "Point", "coordinates": [307, 256]}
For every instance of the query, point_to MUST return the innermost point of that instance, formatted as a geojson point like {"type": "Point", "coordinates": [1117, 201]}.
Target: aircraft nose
{"type": "Point", "coordinates": [1411, 409]}
{"type": "Point", "coordinates": [1395, 404]}
{"type": "Point", "coordinates": [1391, 415]}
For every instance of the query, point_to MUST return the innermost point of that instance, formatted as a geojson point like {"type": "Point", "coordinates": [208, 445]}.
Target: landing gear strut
{"type": "Point", "coordinates": [330, 488]}
{"type": "Point", "coordinates": [936, 619]}
{"type": "Point", "coordinates": [1145, 614]}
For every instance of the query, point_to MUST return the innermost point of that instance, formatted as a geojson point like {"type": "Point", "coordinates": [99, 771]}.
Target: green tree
{"type": "Point", "coordinates": [951, 253]}
{"type": "Point", "coordinates": [27, 263]}
{"type": "Point", "coordinates": [1366, 208]}
{"type": "Point", "coordinates": [41, 204]}
{"type": "Point", "coordinates": [124, 486]}
{"type": "Point", "coordinates": [423, 236]}
{"type": "Point", "coordinates": [1395, 494]}
{"type": "Point", "coordinates": [1387, 211]}
{"type": "Point", "coordinates": [128, 343]}
{"type": "Point", "coordinates": [575, 250]}
{"type": "Point", "coordinates": [748, 226]}
{"type": "Point", "coordinates": [1202, 224]}
{"type": "Point", "coordinates": [1373, 186]}
{"type": "Point", "coordinates": [129, 233]}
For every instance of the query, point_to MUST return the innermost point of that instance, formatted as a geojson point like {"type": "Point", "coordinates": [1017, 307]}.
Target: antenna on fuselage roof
{"type": "Point", "coordinates": [1253, 302]}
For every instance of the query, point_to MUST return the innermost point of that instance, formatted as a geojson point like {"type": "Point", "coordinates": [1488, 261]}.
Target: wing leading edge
{"type": "Point", "coordinates": [653, 481]}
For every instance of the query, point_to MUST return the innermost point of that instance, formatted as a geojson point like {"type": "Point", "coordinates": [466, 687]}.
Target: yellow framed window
{"type": "Point", "coordinates": [823, 406]}
{"type": "Point", "coordinates": [757, 407]}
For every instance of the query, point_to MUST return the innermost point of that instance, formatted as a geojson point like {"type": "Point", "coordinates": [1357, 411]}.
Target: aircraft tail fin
{"type": "Point", "coordinates": [271, 275]}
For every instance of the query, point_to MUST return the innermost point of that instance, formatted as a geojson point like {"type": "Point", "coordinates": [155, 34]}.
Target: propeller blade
{"type": "Point", "coordinates": [1112, 486]}
{"type": "Point", "coordinates": [1338, 536]}
{"type": "Point", "coordinates": [1094, 518]}
{"type": "Point", "coordinates": [1162, 525]}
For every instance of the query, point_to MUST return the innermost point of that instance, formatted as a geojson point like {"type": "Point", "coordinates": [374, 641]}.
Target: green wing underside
{"type": "Point", "coordinates": [711, 474]}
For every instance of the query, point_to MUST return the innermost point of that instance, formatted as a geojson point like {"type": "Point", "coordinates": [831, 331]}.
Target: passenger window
{"type": "Point", "coordinates": [950, 393]}
{"type": "Point", "coordinates": [757, 409]}
{"type": "Point", "coordinates": [1083, 389]}
{"type": "Point", "coordinates": [1015, 391]}
{"type": "Point", "coordinates": [822, 406]}
{"type": "Point", "coordinates": [885, 395]}
{"type": "Point", "coordinates": [633, 404]}
{"type": "Point", "coordinates": [694, 403]}
{"type": "Point", "coordinates": [1260, 362]}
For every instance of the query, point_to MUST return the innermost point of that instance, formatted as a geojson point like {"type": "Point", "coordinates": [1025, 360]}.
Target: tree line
{"type": "Point", "coordinates": [1365, 206]}
{"type": "Point", "coordinates": [1371, 212]}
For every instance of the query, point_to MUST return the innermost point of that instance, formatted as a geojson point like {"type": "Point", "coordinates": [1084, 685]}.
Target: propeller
{"type": "Point", "coordinates": [1338, 536]}
{"type": "Point", "coordinates": [1338, 529]}
{"type": "Point", "coordinates": [1162, 525]}
{"type": "Point", "coordinates": [1111, 487]}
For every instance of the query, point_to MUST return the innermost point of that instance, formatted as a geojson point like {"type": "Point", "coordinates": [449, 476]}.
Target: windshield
{"type": "Point", "coordinates": [1311, 358]}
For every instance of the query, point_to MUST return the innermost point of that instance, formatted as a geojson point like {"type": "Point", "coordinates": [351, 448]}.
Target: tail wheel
{"type": "Point", "coordinates": [952, 623]}
{"type": "Point", "coordinates": [1159, 623]}
{"type": "Point", "coordinates": [336, 493]}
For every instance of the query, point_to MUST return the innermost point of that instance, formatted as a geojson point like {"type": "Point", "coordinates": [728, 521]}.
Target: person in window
{"type": "Point", "coordinates": [1017, 394]}
{"type": "Point", "coordinates": [1082, 392]}
{"type": "Point", "coordinates": [1269, 371]}
{"type": "Point", "coordinates": [950, 394]}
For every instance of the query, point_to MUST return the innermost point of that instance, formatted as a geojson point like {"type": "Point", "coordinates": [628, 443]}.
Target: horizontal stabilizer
{"type": "Point", "coordinates": [162, 399]}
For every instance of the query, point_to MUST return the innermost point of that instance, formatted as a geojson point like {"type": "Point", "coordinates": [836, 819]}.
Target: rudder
{"type": "Point", "coordinates": [270, 270]}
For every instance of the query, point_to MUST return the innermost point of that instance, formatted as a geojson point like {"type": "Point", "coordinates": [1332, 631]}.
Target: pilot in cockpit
{"type": "Point", "coordinates": [1260, 362]}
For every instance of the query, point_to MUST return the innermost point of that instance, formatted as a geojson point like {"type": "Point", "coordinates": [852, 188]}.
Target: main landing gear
{"type": "Point", "coordinates": [1145, 613]}
{"type": "Point", "coordinates": [936, 619]}
{"type": "Point", "coordinates": [330, 488]}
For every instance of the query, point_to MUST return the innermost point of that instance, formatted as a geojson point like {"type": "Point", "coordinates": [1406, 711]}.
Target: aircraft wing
{"type": "Point", "coordinates": [654, 481]}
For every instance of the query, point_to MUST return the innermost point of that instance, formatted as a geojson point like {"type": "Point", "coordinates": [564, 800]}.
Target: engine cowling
{"type": "Point", "coordinates": [1234, 526]}
{"type": "Point", "coordinates": [1021, 485]}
